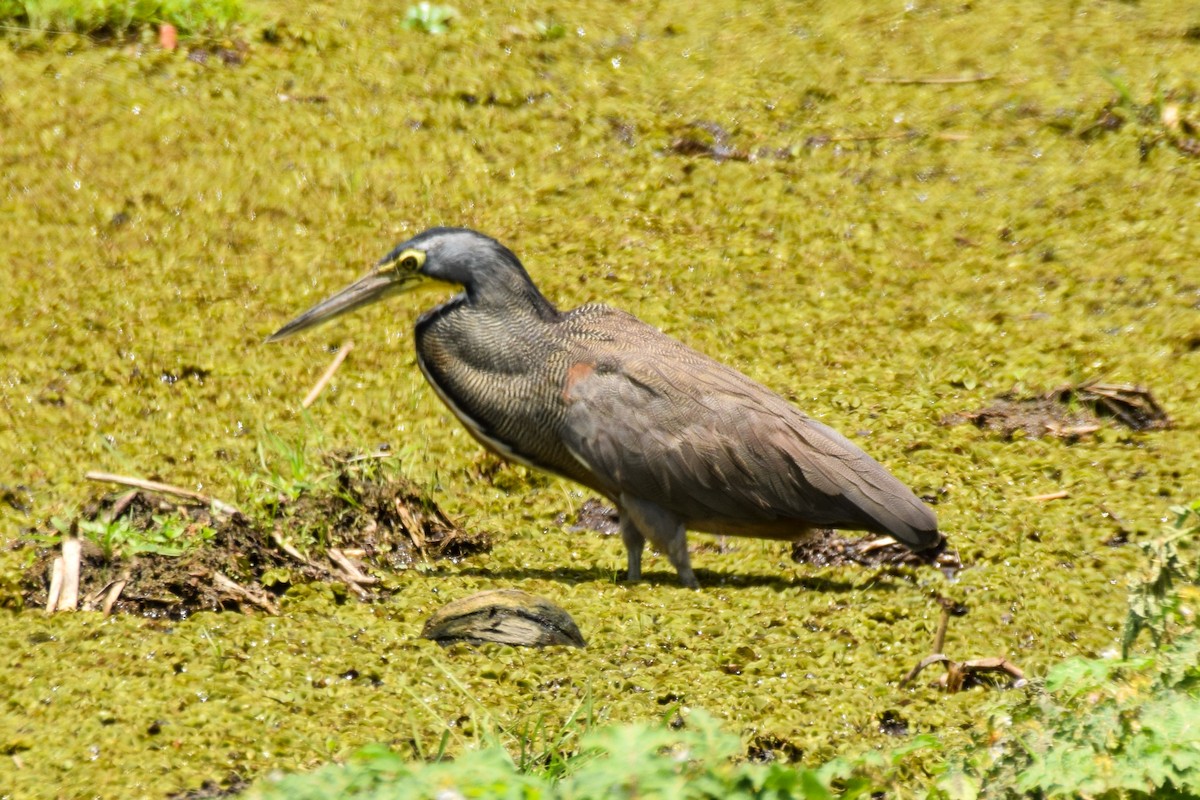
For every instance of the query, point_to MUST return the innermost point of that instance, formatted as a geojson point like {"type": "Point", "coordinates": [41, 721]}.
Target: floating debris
{"type": "Point", "coordinates": [827, 548]}
{"type": "Point", "coordinates": [1069, 412]}
{"type": "Point", "coordinates": [503, 616]}
{"type": "Point", "coordinates": [961, 675]}
{"type": "Point", "coordinates": [703, 138]}
{"type": "Point", "coordinates": [964, 674]}
{"type": "Point", "coordinates": [594, 515]}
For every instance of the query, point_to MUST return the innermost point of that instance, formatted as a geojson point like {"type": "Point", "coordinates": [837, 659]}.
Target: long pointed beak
{"type": "Point", "coordinates": [364, 291]}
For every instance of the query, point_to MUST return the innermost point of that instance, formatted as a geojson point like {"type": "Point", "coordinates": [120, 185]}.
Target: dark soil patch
{"type": "Point", "coordinates": [892, 723]}
{"type": "Point", "coordinates": [232, 786]}
{"type": "Point", "coordinates": [594, 515]}
{"type": "Point", "coordinates": [827, 548]}
{"type": "Point", "coordinates": [232, 562]}
{"type": "Point", "coordinates": [768, 748]}
{"type": "Point", "coordinates": [1069, 412]}
{"type": "Point", "coordinates": [167, 585]}
{"type": "Point", "coordinates": [387, 522]}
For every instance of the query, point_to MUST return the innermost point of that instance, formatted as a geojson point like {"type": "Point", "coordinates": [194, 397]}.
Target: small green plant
{"type": "Point", "coordinates": [549, 30]}
{"type": "Point", "coordinates": [1102, 729]}
{"type": "Point", "coordinates": [286, 468]}
{"type": "Point", "coordinates": [168, 536]}
{"type": "Point", "coordinates": [429, 18]}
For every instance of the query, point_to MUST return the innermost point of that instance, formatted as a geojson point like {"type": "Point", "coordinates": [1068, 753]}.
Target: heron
{"type": "Point", "coordinates": [676, 440]}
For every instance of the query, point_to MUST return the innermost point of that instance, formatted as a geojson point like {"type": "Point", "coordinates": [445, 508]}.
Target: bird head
{"type": "Point", "coordinates": [455, 256]}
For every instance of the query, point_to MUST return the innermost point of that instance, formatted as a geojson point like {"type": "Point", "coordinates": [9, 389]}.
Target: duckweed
{"type": "Point", "coordinates": [887, 253]}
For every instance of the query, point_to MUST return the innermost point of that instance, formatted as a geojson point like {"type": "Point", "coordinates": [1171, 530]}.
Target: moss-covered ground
{"type": "Point", "coordinates": [881, 252]}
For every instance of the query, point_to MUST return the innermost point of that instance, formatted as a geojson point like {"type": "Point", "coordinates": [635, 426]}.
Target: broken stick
{"type": "Point", "coordinates": [327, 375]}
{"type": "Point", "coordinates": [56, 579]}
{"type": "Point", "coordinates": [255, 596]}
{"type": "Point", "coordinates": [72, 550]}
{"type": "Point", "coordinates": [164, 488]}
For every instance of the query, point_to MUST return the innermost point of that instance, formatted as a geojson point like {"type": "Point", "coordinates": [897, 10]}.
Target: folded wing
{"type": "Point", "coordinates": [666, 423]}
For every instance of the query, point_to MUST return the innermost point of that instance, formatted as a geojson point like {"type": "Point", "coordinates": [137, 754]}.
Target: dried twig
{"type": "Point", "coordinates": [1070, 431]}
{"type": "Point", "coordinates": [935, 80]}
{"type": "Point", "coordinates": [327, 375]}
{"type": "Point", "coordinates": [1044, 498]}
{"type": "Point", "coordinates": [118, 508]}
{"type": "Point", "coordinates": [957, 672]}
{"type": "Point", "coordinates": [258, 598]}
{"type": "Point", "coordinates": [411, 525]}
{"type": "Point", "coordinates": [939, 638]}
{"type": "Point", "coordinates": [114, 592]}
{"type": "Point", "coordinates": [876, 544]}
{"type": "Point", "coordinates": [349, 567]}
{"type": "Point", "coordinates": [72, 550]}
{"type": "Point", "coordinates": [873, 137]}
{"type": "Point", "coordinates": [289, 549]}
{"type": "Point", "coordinates": [936, 658]}
{"type": "Point", "coordinates": [56, 580]}
{"type": "Point", "coordinates": [164, 488]}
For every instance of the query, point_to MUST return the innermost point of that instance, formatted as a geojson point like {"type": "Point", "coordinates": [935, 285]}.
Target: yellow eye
{"type": "Point", "coordinates": [410, 260]}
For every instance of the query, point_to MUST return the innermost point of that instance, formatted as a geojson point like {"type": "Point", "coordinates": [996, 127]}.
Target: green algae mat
{"type": "Point", "coordinates": [891, 214]}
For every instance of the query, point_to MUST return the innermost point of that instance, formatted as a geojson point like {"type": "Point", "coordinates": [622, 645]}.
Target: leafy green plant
{"type": "Point", "coordinates": [120, 16]}
{"type": "Point", "coordinates": [429, 18]}
{"type": "Point", "coordinates": [1155, 604]}
{"type": "Point", "coordinates": [640, 760]}
{"type": "Point", "coordinates": [168, 536]}
{"type": "Point", "coordinates": [1103, 729]}
{"type": "Point", "coordinates": [1109, 727]}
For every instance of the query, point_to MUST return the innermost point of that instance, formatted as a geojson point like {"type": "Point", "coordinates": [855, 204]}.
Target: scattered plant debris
{"type": "Point", "coordinates": [709, 139]}
{"type": "Point", "coordinates": [228, 56]}
{"type": "Point", "coordinates": [961, 675]}
{"type": "Point", "coordinates": [594, 515]}
{"type": "Point", "coordinates": [821, 548]}
{"type": "Point", "coordinates": [142, 553]}
{"type": "Point", "coordinates": [767, 748]}
{"type": "Point", "coordinates": [503, 616]}
{"type": "Point", "coordinates": [170, 583]}
{"type": "Point", "coordinates": [1069, 412]}
{"type": "Point", "coordinates": [828, 548]}
{"type": "Point", "coordinates": [705, 139]}
{"type": "Point", "coordinates": [388, 519]}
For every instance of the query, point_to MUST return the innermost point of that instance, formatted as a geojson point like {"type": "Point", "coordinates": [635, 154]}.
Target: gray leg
{"type": "Point", "coordinates": [634, 542]}
{"type": "Point", "coordinates": [664, 529]}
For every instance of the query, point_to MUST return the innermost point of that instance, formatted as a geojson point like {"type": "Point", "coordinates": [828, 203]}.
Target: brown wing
{"type": "Point", "coordinates": [662, 422]}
